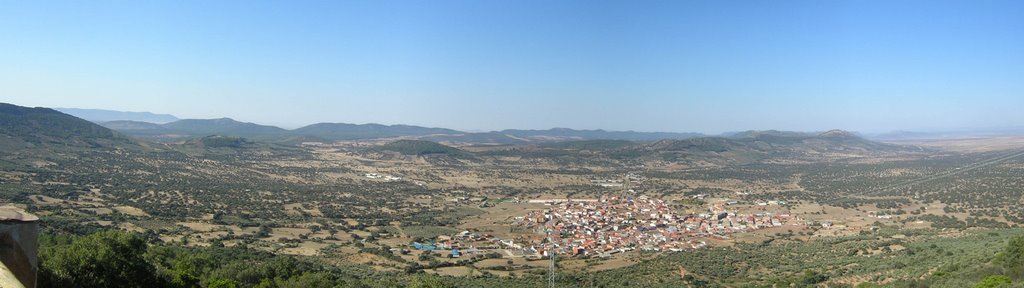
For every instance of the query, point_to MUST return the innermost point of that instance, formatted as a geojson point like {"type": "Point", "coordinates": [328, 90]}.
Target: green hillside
{"type": "Point", "coordinates": [223, 126]}
{"type": "Point", "coordinates": [421, 148]}
{"type": "Point", "coordinates": [22, 127]}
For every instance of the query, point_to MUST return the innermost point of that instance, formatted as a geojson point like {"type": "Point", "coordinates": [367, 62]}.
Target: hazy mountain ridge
{"type": "Point", "coordinates": [948, 134]}
{"type": "Point", "coordinates": [137, 123]}
{"type": "Point", "coordinates": [129, 125]}
{"type": "Point", "coordinates": [103, 115]}
{"type": "Point", "coordinates": [142, 124]}
{"type": "Point", "coordinates": [764, 134]}
{"type": "Point", "coordinates": [597, 134]}
{"type": "Point", "coordinates": [345, 131]}
{"type": "Point", "coordinates": [750, 142]}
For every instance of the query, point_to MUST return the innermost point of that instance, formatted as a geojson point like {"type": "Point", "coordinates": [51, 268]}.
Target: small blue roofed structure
{"type": "Point", "coordinates": [424, 246]}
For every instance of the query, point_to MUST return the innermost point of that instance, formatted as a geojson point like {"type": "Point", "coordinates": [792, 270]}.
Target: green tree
{"type": "Point", "coordinates": [994, 281]}
{"type": "Point", "coordinates": [1012, 257]}
{"type": "Point", "coordinates": [102, 259]}
{"type": "Point", "coordinates": [188, 269]}
{"type": "Point", "coordinates": [221, 283]}
{"type": "Point", "coordinates": [812, 278]}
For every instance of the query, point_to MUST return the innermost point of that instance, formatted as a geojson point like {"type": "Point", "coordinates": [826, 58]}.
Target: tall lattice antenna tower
{"type": "Point", "coordinates": [551, 256]}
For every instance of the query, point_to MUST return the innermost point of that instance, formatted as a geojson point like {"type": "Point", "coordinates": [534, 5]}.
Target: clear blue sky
{"type": "Point", "coordinates": [705, 66]}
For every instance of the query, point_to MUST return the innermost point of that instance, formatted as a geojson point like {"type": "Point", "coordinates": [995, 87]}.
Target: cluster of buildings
{"type": "Point", "coordinates": [607, 183]}
{"type": "Point", "coordinates": [610, 225]}
{"type": "Point", "coordinates": [382, 176]}
{"type": "Point", "coordinates": [770, 202]}
{"type": "Point", "coordinates": [468, 243]}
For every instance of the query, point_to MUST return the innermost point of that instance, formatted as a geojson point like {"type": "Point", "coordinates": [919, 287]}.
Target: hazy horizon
{"type": "Point", "coordinates": [937, 130]}
{"type": "Point", "coordinates": [708, 67]}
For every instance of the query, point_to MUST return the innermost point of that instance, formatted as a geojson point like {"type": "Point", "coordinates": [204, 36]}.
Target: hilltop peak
{"type": "Point", "coordinates": [225, 126]}
{"type": "Point", "coordinates": [838, 133]}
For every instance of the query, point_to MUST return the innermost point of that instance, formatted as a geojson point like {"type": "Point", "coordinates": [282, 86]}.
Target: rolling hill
{"type": "Point", "coordinates": [755, 147]}
{"type": "Point", "coordinates": [24, 127]}
{"type": "Point", "coordinates": [343, 131]}
{"type": "Point", "coordinates": [422, 148]}
{"type": "Point", "coordinates": [216, 141]}
{"type": "Point", "coordinates": [223, 126]}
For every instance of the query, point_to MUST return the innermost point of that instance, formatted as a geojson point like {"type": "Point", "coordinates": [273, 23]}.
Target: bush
{"type": "Point", "coordinates": [994, 281]}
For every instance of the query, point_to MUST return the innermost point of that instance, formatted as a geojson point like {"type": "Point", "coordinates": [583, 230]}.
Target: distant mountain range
{"type": "Point", "coordinates": [599, 134]}
{"type": "Point", "coordinates": [163, 126]}
{"type": "Point", "coordinates": [229, 127]}
{"type": "Point", "coordinates": [100, 115]}
{"type": "Point", "coordinates": [948, 134]}
{"type": "Point", "coordinates": [512, 136]}
{"type": "Point", "coordinates": [343, 131]}
{"type": "Point", "coordinates": [46, 129]}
